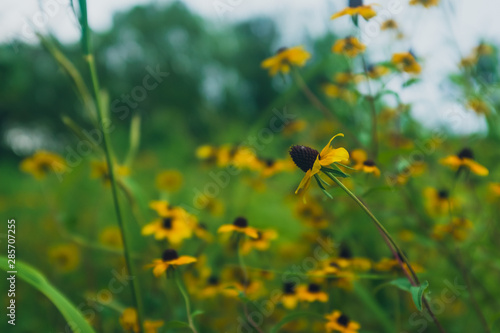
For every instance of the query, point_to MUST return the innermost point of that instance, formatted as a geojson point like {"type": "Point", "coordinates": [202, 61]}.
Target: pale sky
{"type": "Point", "coordinates": [428, 32]}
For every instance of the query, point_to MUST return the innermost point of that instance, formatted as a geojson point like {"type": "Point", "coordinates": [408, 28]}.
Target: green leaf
{"type": "Point", "coordinates": [417, 292]}
{"type": "Point", "coordinates": [292, 317]}
{"type": "Point", "coordinates": [76, 321]}
{"type": "Point", "coordinates": [197, 313]}
{"type": "Point", "coordinates": [411, 82]}
{"type": "Point", "coordinates": [175, 324]}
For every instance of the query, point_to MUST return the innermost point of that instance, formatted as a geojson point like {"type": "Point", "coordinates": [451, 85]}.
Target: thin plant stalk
{"type": "Point", "coordinates": [185, 295]}
{"type": "Point", "coordinates": [243, 268]}
{"type": "Point", "coordinates": [89, 57]}
{"type": "Point", "coordinates": [373, 111]}
{"type": "Point", "coordinates": [398, 254]}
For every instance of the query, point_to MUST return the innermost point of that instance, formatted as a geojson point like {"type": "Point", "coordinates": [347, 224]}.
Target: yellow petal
{"type": "Point", "coordinates": [334, 155]}
{"type": "Point", "coordinates": [327, 147]}
{"type": "Point", "coordinates": [226, 228]}
{"type": "Point", "coordinates": [475, 167]}
{"type": "Point", "coordinates": [160, 269]}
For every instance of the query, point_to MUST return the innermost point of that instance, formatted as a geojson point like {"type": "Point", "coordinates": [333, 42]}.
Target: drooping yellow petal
{"type": "Point", "coordinates": [475, 167]}
{"type": "Point", "coordinates": [304, 183]}
{"type": "Point", "coordinates": [160, 268]}
{"type": "Point", "coordinates": [327, 148]}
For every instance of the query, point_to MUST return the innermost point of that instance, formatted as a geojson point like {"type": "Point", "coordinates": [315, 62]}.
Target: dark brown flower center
{"type": "Point", "coordinates": [314, 288]}
{"type": "Point", "coordinates": [289, 288]}
{"type": "Point", "coordinates": [466, 153]}
{"type": "Point", "coordinates": [343, 320]}
{"type": "Point", "coordinates": [167, 223]}
{"type": "Point", "coordinates": [281, 49]}
{"type": "Point", "coordinates": [345, 252]}
{"type": "Point", "coordinates": [355, 3]}
{"type": "Point", "coordinates": [169, 255]}
{"type": "Point", "coordinates": [443, 194]}
{"type": "Point", "coordinates": [241, 222]}
{"type": "Point", "coordinates": [213, 280]}
{"type": "Point", "coordinates": [369, 163]}
{"type": "Point", "coordinates": [269, 162]}
{"type": "Point", "coordinates": [303, 157]}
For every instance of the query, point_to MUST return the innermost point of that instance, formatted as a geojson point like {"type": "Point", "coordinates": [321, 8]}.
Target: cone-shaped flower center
{"type": "Point", "coordinates": [303, 157]}
{"type": "Point", "coordinates": [281, 49]}
{"type": "Point", "coordinates": [355, 3]}
{"type": "Point", "coordinates": [289, 288]}
{"type": "Point", "coordinates": [343, 320]}
{"type": "Point", "coordinates": [169, 254]}
{"type": "Point", "coordinates": [241, 222]}
{"type": "Point", "coordinates": [313, 288]}
{"type": "Point", "coordinates": [466, 153]}
{"type": "Point", "coordinates": [443, 194]}
{"type": "Point", "coordinates": [167, 223]}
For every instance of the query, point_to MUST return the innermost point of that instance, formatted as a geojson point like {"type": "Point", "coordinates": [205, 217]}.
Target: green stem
{"type": "Point", "coordinates": [136, 297]}
{"type": "Point", "coordinates": [371, 101]}
{"type": "Point", "coordinates": [391, 244]}
{"type": "Point", "coordinates": [185, 295]}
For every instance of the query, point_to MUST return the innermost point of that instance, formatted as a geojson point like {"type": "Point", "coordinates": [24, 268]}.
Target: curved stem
{"type": "Point", "coordinates": [185, 295]}
{"type": "Point", "coordinates": [399, 255]}
{"type": "Point", "coordinates": [89, 57]}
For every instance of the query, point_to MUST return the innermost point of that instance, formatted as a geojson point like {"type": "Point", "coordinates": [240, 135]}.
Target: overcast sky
{"type": "Point", "coordinates": [428, 34]}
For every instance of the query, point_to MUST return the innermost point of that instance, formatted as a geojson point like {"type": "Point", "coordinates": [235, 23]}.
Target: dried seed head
{"type": "Point", "coordinates": [169, 254]}
{"type": "Point", "coordinates": [303, 157]}
{"type": "Point", "coordinates": [241, 222]}
{"type": "Point", "coordinates": [466, 153]}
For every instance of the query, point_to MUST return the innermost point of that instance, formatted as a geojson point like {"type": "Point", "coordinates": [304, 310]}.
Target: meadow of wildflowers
{"type": "Point", "coordinates": [274, 190]}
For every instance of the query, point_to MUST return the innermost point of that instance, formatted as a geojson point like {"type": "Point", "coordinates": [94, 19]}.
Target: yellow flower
{"type": "Point", "coordinates": [494, 189]}
{"type": "Point", "coordinates": [240, 225]}
{"type": "Point", "coordinates": [207, 153]}
{"type": "Point", "coordinates": [349, 46]}
{"type": "Point", "coordinates": [173, 223]}
{"type": "Point", "coordinates": [425, 3]}
{"type": "Point", "coordinates": [464, 159]}
{"type": "Point", "coordinates": [311, 293]}
{"type": "Point", "coordinates": [363, 163]}
{"type": "Point", "coordinates": [112, 237]}
{"type": "Point", "coordinates": [99, 170]}
{"type": "Point", "coordinates": [293, 127]}
{"type": "Point", "coordinates": [389, 24]}
{"type": "Point", "coordinates": [289, 298]}
{"type": "Point", "coordinates": [478, 105]}
{"type": "Point", "coordinates": [271, 167]}
{"type": "Point", "coordinates": [458, 228]}
{"type": "Point", "coordinates": [211, 288]}
{"type": "Point", "coordinates": [339, 322]}
{"type": "Point", "coordinates": [261, 243]}
{"type": "Point", "coordinates": [376, 71]}
{"type": "Point", "coordinates": [285, 58]}
{"type": "Point", "coordinates": [310, 161]}
{"type": "Point", "coordinates": [65, 257]}
{"type": "Point", "coordinates": [406, 62]}
{"type": "Point", "coordinates": [130, 322]}
{"type": "Point", "coordinates": [170, 258]}
{"type": "Point", "coordinates": [339, 90]}
{"type": "Point", "coordinates": [366, 11]}
{"type": "Point", "coordinates": [43, 162]}
{"type": "Point", "coordinates": [169, 180]}
{"type": "Point", "coordinates": [438, 202]}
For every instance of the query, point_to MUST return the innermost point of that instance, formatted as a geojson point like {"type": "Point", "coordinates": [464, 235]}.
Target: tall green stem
{"type": "Point", "coordinates": [400, 256]}
{"type": "Point", "coordinates": [185, 295]}
{"type": "Point", "coordinates": [89, 57]}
